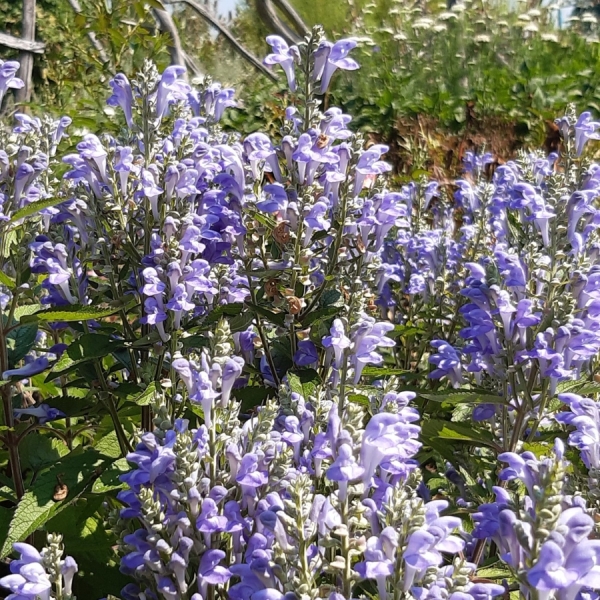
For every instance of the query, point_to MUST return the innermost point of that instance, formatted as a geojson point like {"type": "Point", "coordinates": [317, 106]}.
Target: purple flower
{"type": "Point", "coordinates": [338, 341]}
{"type": "Point", "coordinates": [369, 164]}
{"type": "Point", "coordinates": [330, 58]}
{"type": "Point", "coordinates": [29, 583]}
{"type": "Point", "coordinates": [306, 354]}
{"type": "Point", "coordinates": [171, 88]}
{"type": "Point", "coordinates": [179, 304]}
{"type": "Point", "coordinates": [39, 365]}
{"type": "Point", "coordinates": [155, 315]}
{"type": "Point", "coordinates": [232, 369]}
{"type": "Point", "coordinates": [483, 412]}
{"type": "Point", "coordinates": [283, 55]}
{"type": "Point", "coordinates": [344, 469]}
{"type": "Point", "coordinates": [122, 96]}
{"type": "Point", "coordinates": [210, 572]}
{"type": "Point", "coordinates": [8, 78]}
{"type": "Point", "coordinates": [376, 565]}
{"type": "Point", "coordinates": [548, 573]}
{"type": "Point", "coordinates": [383, 438]}
{"type": "Point", "coordinates": [447, 361]}
{"type": "Point", "coordinates": [585, 129]}
{"type": "Point", "coordinates": [316, 220]}
{"type": "Point", "coordinates": [276, 199]}
{"type": "Point", "coordinates": [43, 413]}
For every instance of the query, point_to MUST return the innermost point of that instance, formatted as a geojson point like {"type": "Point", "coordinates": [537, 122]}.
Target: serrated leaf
{"type": "Point", "coordinates": [20, 341]}
{"type": "Point", "coordinates": [241, 322]}
{"type": "Point", "coordinates": [93, 345]}
{"type": "Point", "coordinates": [109, 480]}
{"type": "Point", "coordinates": [304, 382]}
{"type": "Point", "coordinates": [322, 314]}
{"type": "Point", "coordinates": [109, 445]}
{"type": "Point", "coordinates": [494, 573]}
{"type": "Point", "coordinates": [275, 318]}
{"type": "Point", "coordinates": [65, 364]}
{"type": "Point", "coordinates": [251, 397]}
{"type": "Point", "coordinates": [457, 432]}
{"type": "Point", "coordinates": [404, 330]}
{"type": "Point", "coordinates": [195, 341]}
{"type": "Point", "coordinates": [7, 281]}
{"type": "Point", "coordinates": [72, 313]}
{"type": "Point", "coordinates": [147, 396]}
{"type": "Point", "coordinates": [375, 372]}
{"type": "Point", "coordinates": [35, 207]}
{"type": "Point", "coordinates": [26, 309]}
{"type": "Point", "coordinates": [331, 297]}
{"type": "Point", "coordinates": [37, 506]}
{"type": "Point", "coordinates": [225, 310]}
{"type": "Point", "coordinates": [464, 397]}
{"type": "Point", "coordinates": [583, 388]}
{"type": "Point", "coordinates": [359, 399]}
{"type": "Point", "coordinates": [40, 451]}
{"type": "Point", "coordinates": [72, 406]}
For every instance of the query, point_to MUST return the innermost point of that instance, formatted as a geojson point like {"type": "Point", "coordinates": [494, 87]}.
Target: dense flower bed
{"type": "Point", "coordinates": [248, 356]}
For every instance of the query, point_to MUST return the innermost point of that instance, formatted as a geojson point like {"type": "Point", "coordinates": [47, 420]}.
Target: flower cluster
{"type": "Point", "coordinates": [44, 575]}
{"type": "Point", "coordinates": [547, 541]}
{"type": "Point", "coordinates": [273, 506]}
{"type": "Point", "coordinates": [263, 300]}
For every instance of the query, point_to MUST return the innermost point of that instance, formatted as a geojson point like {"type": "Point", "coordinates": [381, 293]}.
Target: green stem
{"type": "Point", "coordinates": [124, 444]}
{"type": "Point", "coordinates": [11, 438]}
{"type": "Point", "coordinates": [261, 333]}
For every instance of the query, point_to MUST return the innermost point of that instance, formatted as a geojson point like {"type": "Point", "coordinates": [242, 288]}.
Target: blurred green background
{"type": "Point", "coordinates": [436, 78]}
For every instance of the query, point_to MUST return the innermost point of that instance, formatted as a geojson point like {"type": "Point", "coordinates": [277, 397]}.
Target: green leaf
{"type": "Point", "coordinates": [72, 406]}
{"type": "Point", "coordinates": [86, 536]}
{"type": "Point", "coordinates": [109, 480]}
{"type": "Point", "coordinates": [20, 341]}
{"type": "Point", "coordinates": [65, 364]}
{"type": "Point", "coordinates": [93, 345]}
{"type": "Point", "coordinates": [72, 313]}
{"type": "Point", "coordinates": [241, 321]}
{"type": "Point", "coordinates": [37, 506]}
{"type": "Point", "coordinates": [225, 310]}
{"type": "Point", "coordinates": [251, 396]}
{"type": "Point", "coordinates": [7, 281]}
{"type": "Point", "coordinates": [320, 315]}
{"type": "Point", "coordinates": [35, 207]}
{"type": "Point", "coordinates": [434, 429]}
{"type": "Point", "coordinates": [275, 318]}
{"type": "Point", "coordinates": [359, 399]}
{"type": "Point", "coordinates": [376, 372]}
{"type": "Point", "coordinates": [195, 341]}
{"type": "Point", "coordinates": [26, 309]}
{"type": "Point", "coordinates": [583, 388]}
{"type": "Point", "coordinates": [304, 382]}
{"type": "Point", "coordinates": [404, 331]}
{"type": "Point", "coordinates": [147, 396]}
{"type": "Point", "coordinates": [46, 388]}
{"type": "Point", "coordinates": [109, 445]}
{"type": "Point", "coordinates": [155, 4]}
{"type": "Point", "coordinates": [464, 397]}
{"type": "Point", "coordinates": [40, 451]}
{"type": "Point", "coordinates": [492, 572]}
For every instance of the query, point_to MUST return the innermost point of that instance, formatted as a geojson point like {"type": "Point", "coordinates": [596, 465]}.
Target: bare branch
{"type": "Point", "coordinates": [191, 64]}
{"type": "Point", "coordinates": [18, 44]}
{"type": "Point", "coordinates": [268, 15]}
{"type": "Point", "coordinates": [209, 18]}
{"type": "Point", "coordinates": [166, 25]}
{"type": "Point", "coordinates": [288, 10]}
